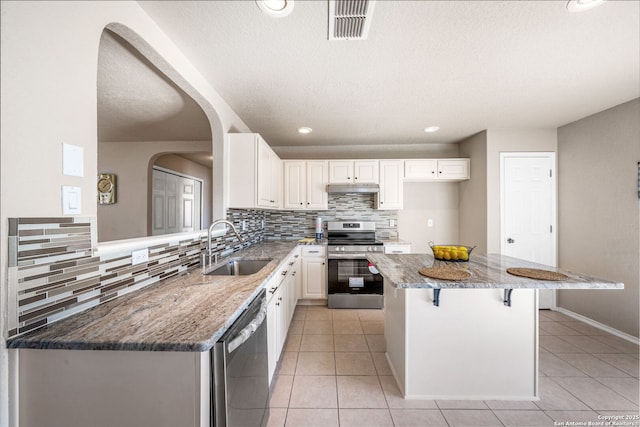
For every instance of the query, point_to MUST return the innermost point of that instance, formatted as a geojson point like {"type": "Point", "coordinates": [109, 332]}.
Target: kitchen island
{"type": "Point", "coordinates": [475, 338]}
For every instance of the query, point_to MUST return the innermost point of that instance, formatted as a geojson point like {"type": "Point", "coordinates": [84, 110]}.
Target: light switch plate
{"type": "Point", "coordinates": [72, 160]}
{"type": "Point", "coordinates": [71, 200]}
{"type": "Point", "coordinates": [138, 257]}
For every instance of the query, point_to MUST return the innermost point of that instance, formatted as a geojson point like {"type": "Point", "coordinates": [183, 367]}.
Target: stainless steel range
{"type": "Point", "coordinates": [352, 281]}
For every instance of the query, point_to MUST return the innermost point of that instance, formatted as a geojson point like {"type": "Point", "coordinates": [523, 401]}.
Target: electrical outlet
{"type": "Point", "coordinates": [392, 223]}
{"type": "Point", "coordinates": [429, 222]}
{"type": "Point", "coordinates": [138, 257]}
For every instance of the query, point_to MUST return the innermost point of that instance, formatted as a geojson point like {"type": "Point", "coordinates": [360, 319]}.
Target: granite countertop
{"type": "Point", "coordinates": [486, 272]}
{"type": "Point", "coordinates": [189, 312]}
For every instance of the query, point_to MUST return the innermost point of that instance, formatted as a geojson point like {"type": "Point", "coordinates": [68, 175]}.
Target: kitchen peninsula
{"type": "Point", "coordinates": [475, 338]}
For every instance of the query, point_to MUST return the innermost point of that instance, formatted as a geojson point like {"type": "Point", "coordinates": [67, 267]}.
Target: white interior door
{"type": "Point", "coordinates": [528, 210]}
{"type": "Point", "coordinates": [176, 203]}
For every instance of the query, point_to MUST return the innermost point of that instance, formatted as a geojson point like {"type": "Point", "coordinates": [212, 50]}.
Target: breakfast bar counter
{"type": "Point", "coordinates": [475, 337]}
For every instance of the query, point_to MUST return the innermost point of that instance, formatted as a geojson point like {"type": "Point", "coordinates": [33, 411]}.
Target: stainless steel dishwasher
{"type": "Point", "coordinates": [240, 371]}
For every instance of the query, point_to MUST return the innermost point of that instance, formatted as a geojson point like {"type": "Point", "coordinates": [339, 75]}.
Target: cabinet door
{"type": "Point", "coordinates": [294, 184]}
{"type": "Point", "coordinates": [265, 164]}
{"type": "Point", "coordinates": [453, 169]}
{"type": "Point", "coordinates": [316, 185]}
{"type": "Point", "coordinates": [276, 181]}
{"type": "Point", "coordinates": [340, 171]}
{"type": "Point", "coordinates": [420, 169]}
{"type": "Point", "coordinates": [297, 279]}
{"type": "Point", "coordinates": [283, 324]}
{"type": "Point", "coordinates": [397, 249]}
{"type": "Point", "coordinates": [243, 169]}
{"type": "Point", "coordinates": [314, 278]}
{"type": "Point", "coordinates": [365, 171]}
{"type": "Point", "coordinates": [391, 185]}
{"type": "Point", "coordinates": [272, 333]}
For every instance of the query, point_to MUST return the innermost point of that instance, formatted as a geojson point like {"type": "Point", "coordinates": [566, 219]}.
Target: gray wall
{"type": "Point", "coordinates": [473, 194]}
{"type": "Point", "coordinates": [599, 215]}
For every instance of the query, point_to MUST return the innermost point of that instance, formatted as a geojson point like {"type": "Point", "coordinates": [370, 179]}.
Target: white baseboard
{"type": "Point", "coordinates": [314, 301]}
{"type": "Point", "coordinates": [599, 325]}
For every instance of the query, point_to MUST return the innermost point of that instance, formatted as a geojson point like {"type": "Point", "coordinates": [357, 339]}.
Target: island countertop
{"type": "Point", "coordinates": [487, 272]}
{"type": "Point", "coordinates": [189, 312]}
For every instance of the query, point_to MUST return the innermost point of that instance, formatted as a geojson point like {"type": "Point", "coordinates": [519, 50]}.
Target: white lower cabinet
{"type": "Point", "coordinates": [282, 297]}
{"type": "Point", "coordinates": [314, 272]}
{"type": "Point", "coordinates": [273, 330]}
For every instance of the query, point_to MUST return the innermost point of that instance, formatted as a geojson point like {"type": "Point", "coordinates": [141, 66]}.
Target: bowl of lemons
{"type": "Point", "coordinates": [456, 253]}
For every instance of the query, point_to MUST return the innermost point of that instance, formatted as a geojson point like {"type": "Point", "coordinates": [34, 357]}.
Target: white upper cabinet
{"type": "Point", "coordinates": [305, 184]}
{"type": "Point", "coordinates": [420, 169]}
{"type": "Point", "coordinates": [454, 169]}
{"type": "Point", "coordinates": [353, 172]}
{"type": "Point", "coordinates": [255, 173]}
{"type": "Point", "coordinates": [436, 169]}
{"type": "Point", "coordinates": [391, 185]}
{"type": "Point", "coordinates": [317, 180]}
{"type": "Point", "coordinates": [295, 191]}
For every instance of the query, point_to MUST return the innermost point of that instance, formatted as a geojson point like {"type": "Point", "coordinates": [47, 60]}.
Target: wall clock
{"type": "Point", "coordinates": [106, 189]}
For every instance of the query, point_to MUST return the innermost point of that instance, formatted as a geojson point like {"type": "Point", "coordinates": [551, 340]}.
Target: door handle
{"type": "Point", "coordinates": [510, 240]}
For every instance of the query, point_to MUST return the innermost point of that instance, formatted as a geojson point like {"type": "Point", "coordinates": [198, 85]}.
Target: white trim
{"type": "Point", "coordinates": [601, 326]}
{"type": "Point", "coordinates": [554, 195]}
{"type": "Point", "coordinates": [118, 246]}
{"type": "Point", "coordinates": [172, 172]}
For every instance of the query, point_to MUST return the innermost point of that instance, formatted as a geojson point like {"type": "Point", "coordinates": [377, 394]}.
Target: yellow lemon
{"type": "Point", "coordinates": [454, 254]}
{"type": "Point", "coordinates": [462, 248]}
{"type": "Point", "coordinates": [464, 255]}
{"type": "Point", "coordinates": [447, 256]}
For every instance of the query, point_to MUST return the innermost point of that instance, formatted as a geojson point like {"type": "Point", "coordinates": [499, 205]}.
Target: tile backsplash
{"type": "Point", "coordinates": [342, 207]}
{"type": "Point", "coordinates": [54, 272]}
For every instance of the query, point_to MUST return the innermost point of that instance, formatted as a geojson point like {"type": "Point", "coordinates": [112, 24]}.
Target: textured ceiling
{"type": "Point", "coordinates": [136, 102]}
{"type": "Point", "coordinates": [462, 65]}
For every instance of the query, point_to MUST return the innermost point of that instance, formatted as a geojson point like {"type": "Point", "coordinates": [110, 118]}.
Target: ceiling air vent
{"type": "Point", "coordinates": [350, 19]}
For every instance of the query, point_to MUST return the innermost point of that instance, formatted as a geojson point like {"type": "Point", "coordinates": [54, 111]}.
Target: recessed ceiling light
{"type": "Point", "coordinates": [275, 8]}
{"type": "Point", "coordinates": [305, 130]}
{"type": "Point", "coordinates": [581, 5]}
{"type": "Point", "coordinates": [432, 129]}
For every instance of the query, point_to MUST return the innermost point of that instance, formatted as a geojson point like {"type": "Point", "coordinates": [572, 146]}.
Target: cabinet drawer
{"type": "Point", "coordinates": [397, 249]}
{"type": "Point", "coordinates": [311, 251]}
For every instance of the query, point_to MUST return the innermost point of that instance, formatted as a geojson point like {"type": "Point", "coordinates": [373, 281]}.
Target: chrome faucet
{"type": "Point", "coordinates": [206, 258]}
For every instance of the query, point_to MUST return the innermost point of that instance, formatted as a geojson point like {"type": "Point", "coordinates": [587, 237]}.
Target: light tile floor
{"type": "Point", "coordinates": [333, 372]}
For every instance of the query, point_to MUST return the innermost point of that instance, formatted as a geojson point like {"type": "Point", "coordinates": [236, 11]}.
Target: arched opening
{"type": "Point", "coordinates": [147, 110]}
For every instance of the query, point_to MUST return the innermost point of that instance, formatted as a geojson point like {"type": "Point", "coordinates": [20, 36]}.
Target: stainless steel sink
{"type": "Point", "coordinates": [239, 267]}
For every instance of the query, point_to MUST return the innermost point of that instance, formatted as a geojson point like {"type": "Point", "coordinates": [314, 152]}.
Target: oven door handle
{"type": "Point", "coordinates": [347, 256]}
{"type": "Point", "coordinates": [248, 330]}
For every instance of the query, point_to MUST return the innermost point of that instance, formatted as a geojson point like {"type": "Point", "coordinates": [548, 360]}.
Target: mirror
{"type": "Point", "coordinates": [146, 121]}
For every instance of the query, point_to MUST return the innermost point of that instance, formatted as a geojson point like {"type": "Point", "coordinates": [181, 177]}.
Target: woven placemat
{"type": "Point", "coordinates": [535, 273]}
{"type": "Point", "coordinates": [444, 273]}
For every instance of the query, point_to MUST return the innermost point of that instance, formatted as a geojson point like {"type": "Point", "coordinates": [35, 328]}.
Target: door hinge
{"type": "Point", "coordinates": [551, 229]}
{"type": "Point", "coordinates": [550, 173]}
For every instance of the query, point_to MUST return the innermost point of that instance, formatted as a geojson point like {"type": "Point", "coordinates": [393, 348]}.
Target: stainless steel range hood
{"type": "Point", "coordinates": [353, 188]}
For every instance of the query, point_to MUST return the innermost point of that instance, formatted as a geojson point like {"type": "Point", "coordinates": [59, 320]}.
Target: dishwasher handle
{"type": "Point", "coordinates": [248, 330]}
